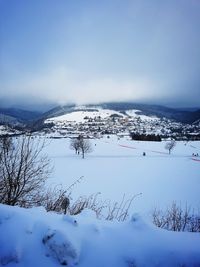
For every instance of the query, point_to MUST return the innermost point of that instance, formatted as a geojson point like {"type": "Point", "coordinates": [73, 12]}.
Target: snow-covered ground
{"type": "Point", "coordinates": [117, 167]}
{"type": "Point", "coordinates": [136, 113]}
{"type": "Point", "coordinates": [33, 237]}
{"type": "Point", "coordinates": [78, 116]}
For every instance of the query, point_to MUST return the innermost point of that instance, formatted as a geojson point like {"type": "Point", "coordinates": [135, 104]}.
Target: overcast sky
{"type": "Point", "coordinates": [84, 51]}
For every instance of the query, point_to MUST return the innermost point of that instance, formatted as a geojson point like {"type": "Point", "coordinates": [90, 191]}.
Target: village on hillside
{"type": "Point", "coordinates": [95, 124]}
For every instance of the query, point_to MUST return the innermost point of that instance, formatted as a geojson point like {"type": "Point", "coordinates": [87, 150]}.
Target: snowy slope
{"type": "Point", "coordinates": [136, 114]}
{"type": "Point", "coordinates": [79, 115]}
{"type": "Point", "coordinates": [33, 237]}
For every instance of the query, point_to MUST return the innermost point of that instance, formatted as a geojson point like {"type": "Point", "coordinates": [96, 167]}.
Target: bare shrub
{"type": "Point", "coordinates": [104, 209]}
{"type": "Point", "coordinates": [53, 198]}
{"type": "Point", "coordinates": [176, 218]}
{"type": "Point", "coordinates": [89, 202]}
{"type": "Point", "coordinates": [23, 171]}
{"type": "Point", "coordinates": [55, 195]}
{"type": "Point", "coordinates": [120, 210]}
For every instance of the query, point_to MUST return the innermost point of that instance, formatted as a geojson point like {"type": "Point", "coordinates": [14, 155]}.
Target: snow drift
{"type": "Point", "coordinates": [33, 237]}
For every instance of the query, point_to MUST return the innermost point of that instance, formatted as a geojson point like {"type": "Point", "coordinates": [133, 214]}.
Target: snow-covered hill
{"type": "Point", "coordinates": [82, 113]}
{"type": "Point", "coordinates": [94, 120]}
{"type": "Point", "coordinates": [184, 116]}
{"type": "Point", "coordinates": [138, 114]}
{"type": "Point", "coordinates": [79, 115]}
{"type": "Point", "coordinates": [33, 237]}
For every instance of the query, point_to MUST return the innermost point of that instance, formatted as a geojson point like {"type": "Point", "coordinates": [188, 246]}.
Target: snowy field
{"type": "Point", "coordinates": [117, 167]}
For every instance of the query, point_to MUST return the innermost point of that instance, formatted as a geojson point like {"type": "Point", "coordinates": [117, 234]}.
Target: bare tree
{"type": "Point", "coordinates": [74, 145]}
{"type": "Point", "coordinates": [23, 171]}
{"type": "Point", "coordinates": [84, 146]}
{"type": "Point", "coordinates": [170, 145]}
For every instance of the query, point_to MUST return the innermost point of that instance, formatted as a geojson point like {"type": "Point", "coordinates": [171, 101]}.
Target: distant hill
{"type": "Point", "coordinates": [58, 111]}
{"type": "Point", "coordinates": [15, 116]}
{"type": "Point", "coordinates": [184, 116]}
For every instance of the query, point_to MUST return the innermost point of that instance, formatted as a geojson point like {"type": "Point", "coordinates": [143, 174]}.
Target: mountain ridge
{"type": "Point", "coordinates": [183, 116]}
{"type": "Point", "coordinates": [20, 116]}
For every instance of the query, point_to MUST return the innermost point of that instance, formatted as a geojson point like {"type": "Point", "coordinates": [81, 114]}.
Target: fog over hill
{"type": "Point", "coordinates": [184, 116]}
{"type": "Point", "coordinates": [14, 115]}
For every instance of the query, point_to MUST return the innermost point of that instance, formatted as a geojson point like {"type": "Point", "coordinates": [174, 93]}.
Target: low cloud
{"type": "Point", "coordinates": [63, 86]}
{"type": "Point", "coordinates": [99, 52]}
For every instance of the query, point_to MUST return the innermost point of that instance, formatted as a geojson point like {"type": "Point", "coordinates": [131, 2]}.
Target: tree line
{"type": "Point", "coordinates": [145, 137]}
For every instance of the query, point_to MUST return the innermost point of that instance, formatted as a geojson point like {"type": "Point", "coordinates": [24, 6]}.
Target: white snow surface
{"type": "Point", "coordinates": [116, 167]}
{"type": "Point", "coordinates": [33, 237]}
{"type": "Point", "coordinates": [133, 113]}
{"type": "Point", "coordinates": [78, 116]}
